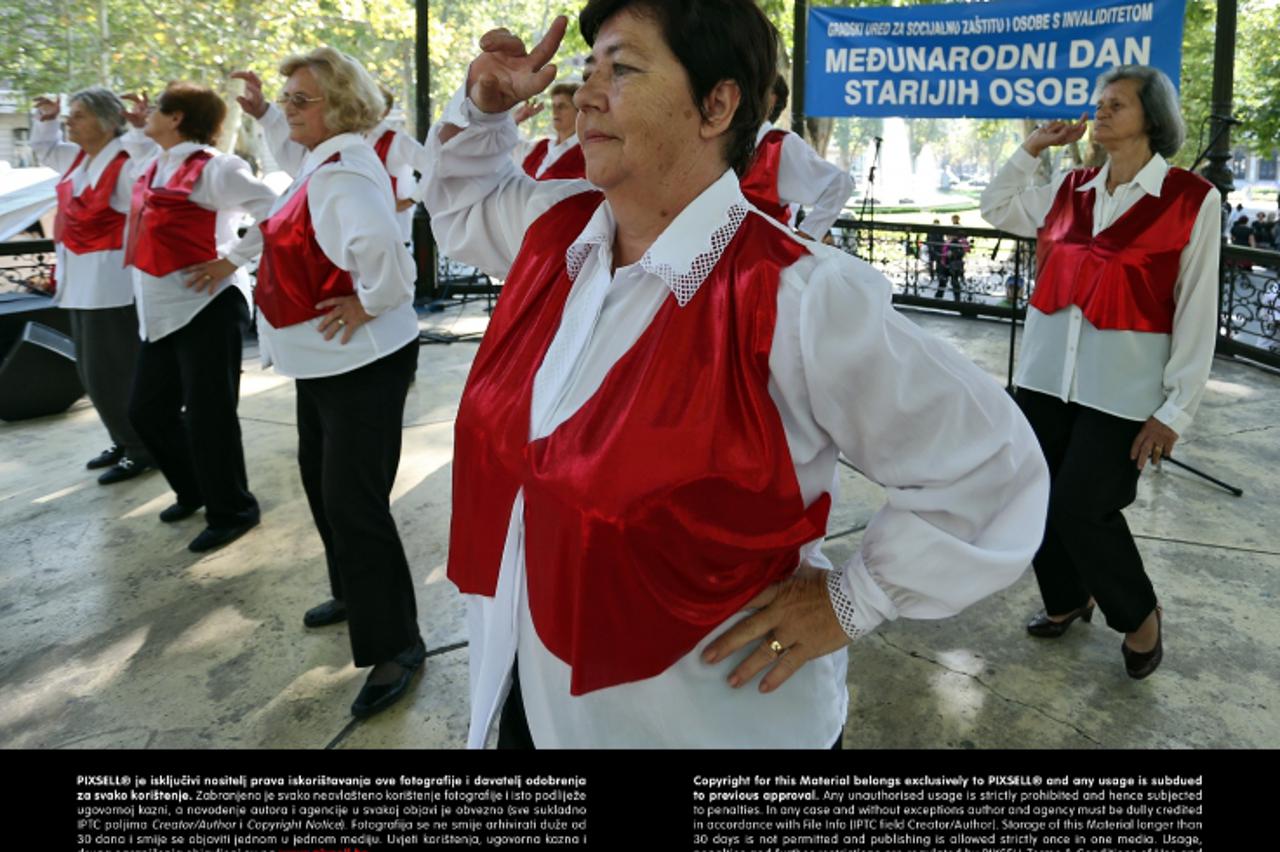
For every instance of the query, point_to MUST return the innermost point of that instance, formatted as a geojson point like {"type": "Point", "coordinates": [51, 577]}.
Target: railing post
{"type": "Point", "coordinates": [427, 287]}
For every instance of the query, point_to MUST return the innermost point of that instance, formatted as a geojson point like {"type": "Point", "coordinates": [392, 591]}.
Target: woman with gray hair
{"type": "Point", "coordinates": [1118, 345]}
{"type": "Point", "coordinates": [92, 282]}
{"type": "Point", "coordinates": [334, 297]}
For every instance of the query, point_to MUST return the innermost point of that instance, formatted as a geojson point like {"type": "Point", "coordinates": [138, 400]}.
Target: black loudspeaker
{"type": "Point", "coordinates": [18, 309]}
{"type": "Point", "coordinates": [38, 376]}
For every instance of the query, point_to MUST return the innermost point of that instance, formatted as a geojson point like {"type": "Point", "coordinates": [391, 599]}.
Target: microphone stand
{"type": "Point", "coordinates": [1223, 124]}
{"type": "Point", "coordinates": [868, 211]}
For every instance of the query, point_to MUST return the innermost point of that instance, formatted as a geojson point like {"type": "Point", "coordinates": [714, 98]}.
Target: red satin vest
{"type": "Point", "coordinates": [168, 231]}
{"type": "Point", "coordinates": [1124, 277]}
{"type": "Point", "coordinates": [87, 222]}
{"type": "Point", "coordinates": [383, 147]}
{"type": "Point", "coordinates": [571, 164]}
{"type": "Point", "coordinates": [760, 183]}
{"type": "Point", "coordinates": [294, 272]}
{"type": "Point", "coordinates": [669, 499]}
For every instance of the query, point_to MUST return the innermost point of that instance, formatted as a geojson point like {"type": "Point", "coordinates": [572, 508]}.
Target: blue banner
{"type": "Point", "coordinates": [1003, 59]}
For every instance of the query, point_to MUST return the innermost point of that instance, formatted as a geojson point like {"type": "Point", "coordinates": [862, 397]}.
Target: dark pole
{"type": "Point", "coordinates": [422, 69]}
{"type": "Point", "coordinates": [801, 24]}
{"type": "Point", "coordinates": [424, 245]}
{"type": "Point", "coordinates": [1224, 48]}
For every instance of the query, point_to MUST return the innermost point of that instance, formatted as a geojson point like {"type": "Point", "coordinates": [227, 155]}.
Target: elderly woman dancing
{"type": "Point", "coordinates": [1119, 342]}
{"type": "Point", "coordinates": [93, 284]}
{"type": "Point", "coordinates": [334, 304]}
{"type": "Point", "coordinates": [187, 384]}
{"type": "Point", "coordinates": [650, 428]}
{"type": "Point", "coordinates": [400, 153]}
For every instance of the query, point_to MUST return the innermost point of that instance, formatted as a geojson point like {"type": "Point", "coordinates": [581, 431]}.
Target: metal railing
{"type": "Point", "coordinates": [26, 266]}
{"type": "Point", "coordinates": [1249, 305]}
{"type": "Point", "coordinates": [994, 279]}
{"type": "Point", "coordinates": [998, 275]}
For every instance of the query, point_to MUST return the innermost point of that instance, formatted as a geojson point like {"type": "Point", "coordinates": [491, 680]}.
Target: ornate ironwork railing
{"type": "Point", "coordinates": [997, 275]}
{"type": "Point", "coordinates": [1249, 304]}
{"type": "Point", "coordinates": [26, 266]}
{"type": "Point", "coordinates": [993, 278]}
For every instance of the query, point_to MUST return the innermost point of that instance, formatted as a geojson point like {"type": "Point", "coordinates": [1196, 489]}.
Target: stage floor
{"type": "Point", "coordinates": [113, 635]}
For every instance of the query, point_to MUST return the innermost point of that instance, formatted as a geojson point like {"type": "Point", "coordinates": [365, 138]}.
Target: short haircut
{"type": "Point", "coordinates": [566, 89]}
{"type": "Point", "coordinates": [1166, 130]}
{"type": "Point", "coordinates": [782, 92]}
{"type": "Point", "coordinates": [202, 111]}
{"type": "Point", "coordinates": [713, 40]}
{"type": "Point", "coordinates": [104, 105]}
{"type": "Point", "coordinates": [387, 98]}
{"type": "Point", "coordinates": [353, 103]}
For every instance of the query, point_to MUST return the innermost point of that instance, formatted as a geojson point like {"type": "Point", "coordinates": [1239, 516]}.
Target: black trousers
{"type": "Point", "coordinates": [1087, 548]}
{"type": "Point", "coordinates": [185, 392]}
{"type": "Point", "coordinates": [349, 429]}
{"type": "Point", "coordinates": [513, 724]}
{"type": "Point", "coordinates": [950, 275]}
{"type": "Point", "coordinates": [106, 359]}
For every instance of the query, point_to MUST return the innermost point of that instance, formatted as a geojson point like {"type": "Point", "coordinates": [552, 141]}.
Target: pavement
{"type": "Point", "coordinates": [113, 635]}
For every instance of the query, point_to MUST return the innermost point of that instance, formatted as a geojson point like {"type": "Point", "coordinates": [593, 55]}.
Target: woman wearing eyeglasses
{"type": "Point", "coordinates": [334, 312]}
{"type": "Point", "coordinates": [400, 153]}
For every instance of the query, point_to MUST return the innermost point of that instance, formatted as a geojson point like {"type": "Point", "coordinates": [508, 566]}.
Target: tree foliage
{"type": "Point", "coordinates": [64, 45]}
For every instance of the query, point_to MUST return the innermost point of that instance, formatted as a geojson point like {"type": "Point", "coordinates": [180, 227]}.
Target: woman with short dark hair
{"type": "Point", "coordinates": [649, 431]}
{"type": "Point", "coordinates": [186, 207]}
{"type": "Point", "coordinates": [1119, 341]}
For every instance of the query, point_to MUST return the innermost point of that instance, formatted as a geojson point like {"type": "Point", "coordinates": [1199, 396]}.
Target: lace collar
{"type": "Point", "coordinates": [686, 252]}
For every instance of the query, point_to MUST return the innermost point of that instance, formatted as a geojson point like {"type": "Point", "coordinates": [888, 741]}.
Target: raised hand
{"type": "Point", "coordinates": [48, 109]}
{"type": "Point", "coordinates": [141, 107]}
{"type": "Point", "coordinates": [526, 111]}
{"type": "Point", "coordinates": [252, 100]}
{"type": "Point", "coordinates": [505, 74]}
{"type": "Point", "coordinates": [1055, 133]}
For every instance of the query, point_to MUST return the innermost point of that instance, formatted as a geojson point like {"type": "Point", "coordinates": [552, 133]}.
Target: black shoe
{"type": "Point", "coordinates": [213, 537]}
{"type": "Point", "coordinates": [179, 512]}
{"type": "Point", "coordinates": [124, 469]}
{"type": "Point", "coordinates": [106, 458]}
{"type": "Point", "coordinates": [374, 698]}
{"type": "Point", "coordinates": [1139, 664]}
{"type": "Point", "coordinates": [322, 615]}
{"type": "Point", "coordinates": [1046, 628]}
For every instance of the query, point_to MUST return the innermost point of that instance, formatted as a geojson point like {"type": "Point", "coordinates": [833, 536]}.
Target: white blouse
{"type": "Point", "coordinates": [95, 279]}
{"type": "Point", "coordinates": [806, 179]}
{"type": "Point", "coordinates": [967, 487]}
{"type": "Point", "coordinates": [555, 150]}
{"type": "Point", "coordinates": [405, 157]}
{"type": "Point", "coordinates": [350, 204]}
{"type": "Point", "coordinates": [1131, 374]}
{"type": "Point", "coordinates": [226, 185]}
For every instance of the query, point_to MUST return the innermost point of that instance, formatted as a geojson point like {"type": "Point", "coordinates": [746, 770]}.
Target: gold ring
{"type": "Point", "coordinates": [1159, 451]}
{"type": "Point", "coordinates": [341, 322]}
{"type": "Point", "coordinates": [776, 647]}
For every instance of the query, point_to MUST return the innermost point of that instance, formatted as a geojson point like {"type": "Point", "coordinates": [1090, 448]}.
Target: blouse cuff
{"type": "Point", "coordinates": [1173, 417]}
{"type": "Point", "coordinates": [1024, 161]}
{"type": "Point", "coordinates": [846, 612]}
{"type": "Point", "coordinates": [44, 131]}
{"type": "Point", "coordinates": [462, 112]}
{"type": "Point", "coordinates": [859, 602]}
